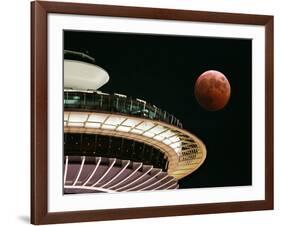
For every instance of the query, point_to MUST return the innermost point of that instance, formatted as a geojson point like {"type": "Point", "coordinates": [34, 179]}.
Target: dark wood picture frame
{"type": "Point", "coordinates": [39, 109]}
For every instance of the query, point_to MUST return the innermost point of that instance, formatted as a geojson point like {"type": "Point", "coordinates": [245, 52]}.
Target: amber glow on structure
{"type": "Point", "coordinates": [185, 151]}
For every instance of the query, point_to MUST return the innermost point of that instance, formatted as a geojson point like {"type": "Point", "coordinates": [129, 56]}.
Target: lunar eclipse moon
{"type": "Point", "coordinates": [212, 90]}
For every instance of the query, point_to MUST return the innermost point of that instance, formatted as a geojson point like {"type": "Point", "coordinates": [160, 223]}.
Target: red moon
{"type": "Point", "coordinates": [212, 90]}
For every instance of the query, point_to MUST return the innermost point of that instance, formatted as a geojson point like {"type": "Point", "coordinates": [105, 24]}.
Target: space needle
{"type": "Point", "coordinates": [117, 143]}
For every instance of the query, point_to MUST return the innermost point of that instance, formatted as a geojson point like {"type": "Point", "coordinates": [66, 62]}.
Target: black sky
{"type": "Point", "coordinates": [162, 70]}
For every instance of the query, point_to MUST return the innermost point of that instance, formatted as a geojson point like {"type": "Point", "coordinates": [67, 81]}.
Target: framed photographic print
{"type": "Point", "coordinates": [147, 112]}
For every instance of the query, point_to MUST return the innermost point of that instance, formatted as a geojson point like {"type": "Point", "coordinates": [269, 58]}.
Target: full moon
{"type": "Point", "coordinates": [212, 90]}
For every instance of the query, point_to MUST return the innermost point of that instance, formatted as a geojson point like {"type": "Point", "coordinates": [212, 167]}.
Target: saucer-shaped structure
{"type": "Point", "coordinates": [81, 72]}
{"type": "Point", "coordinates": [116, 143]}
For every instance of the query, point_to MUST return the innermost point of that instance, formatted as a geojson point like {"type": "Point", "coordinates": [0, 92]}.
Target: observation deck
{"type": "Point", "coordinates": [117, 143]}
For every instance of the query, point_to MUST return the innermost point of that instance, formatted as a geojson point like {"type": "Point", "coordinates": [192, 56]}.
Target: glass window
{"type": "Point", "coordinates": [122, 105]}
{"type": "Point", "coordinates": [96, 101]}
{"type": "Point", "coordinates": [72, 143]}
{"type": "Point", "coordinates": [128, 105]}
{"type": "Point", "coordinates": [102, 146]}
{"type": "Point", "coordinates": [72, 99]}
{"type": "Point", "coordinates": [136, 108]}
{"type": "Point", "coordinates": [105, 106]}
{"type": "Point", "coordinates": [90, 100]}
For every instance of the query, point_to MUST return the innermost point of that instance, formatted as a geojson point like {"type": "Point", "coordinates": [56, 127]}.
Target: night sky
{"type": "Point", "coordinates": [163, 70]}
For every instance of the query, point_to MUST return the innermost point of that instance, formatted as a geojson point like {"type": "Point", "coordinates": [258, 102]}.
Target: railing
{"type": "Point", "coordinates": [118, 103]}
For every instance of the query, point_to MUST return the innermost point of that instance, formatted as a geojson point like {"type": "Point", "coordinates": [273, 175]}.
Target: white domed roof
{"type": "Point", "coordinates": [83, 76]}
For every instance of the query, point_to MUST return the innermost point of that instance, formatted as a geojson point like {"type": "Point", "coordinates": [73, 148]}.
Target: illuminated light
{"type": "Point", "coordinates": [114, 120]}
{"type": "Point", "coordinates": [149, 134]}
{"type": "Point", "coordinates": [159, 137]}
{"type": "Point", "coordinates": [137, 131]}
{"type": "Point", "coordinates": [178, 150]}
{"type": "Point", "coordinates": [75, 124]}
{"type": "Point", "coordinates": [157, 129]}
{"type": "Point", "coordinates": [174, 139]}
{"type": "Point", "coordinates": [77, 117]}
{"type": "Point", "coordinates": [176, 145]}
{"type": "Point", "coordinates": [167, 141]}
{"type": "Point", "coordinates": [97, 118]}
{"type": "Point", "coordinates": [123, 124]}
{"type": "Point", "coordinates": [142, 101]}
{"type": "Point", "coordinates": [120, 95]}
{"type": "Point", "coordinates": [102, 93]}
{"type": "Point", "coordinates": [123, 128]}
{"type": "Point", "coordinates": [110, 127]}
{"type": "Point", "coordinates": [93, 125]}
{"type": "Point", "coordinates": [65, 170]}
{"type": "Point", "coordinates": [145, 125]}
{"type": "Point", "coordinates": [131, 122]}
{"type": "Point", "coordinates": [167, 134]}
{"type": "Point", "coordinates": [164, 136]}
{"type": "Point", "coordinates": [65, 115]}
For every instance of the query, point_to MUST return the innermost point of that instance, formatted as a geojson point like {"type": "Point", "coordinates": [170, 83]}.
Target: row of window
{"type": "Point", "coordinates": [113, 147]}
{"type": "Point", "coordinates": [119, 104]}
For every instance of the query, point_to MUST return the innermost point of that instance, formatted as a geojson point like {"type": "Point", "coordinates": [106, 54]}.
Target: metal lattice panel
{"type": "Point", "coordinates": [98, 174]}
